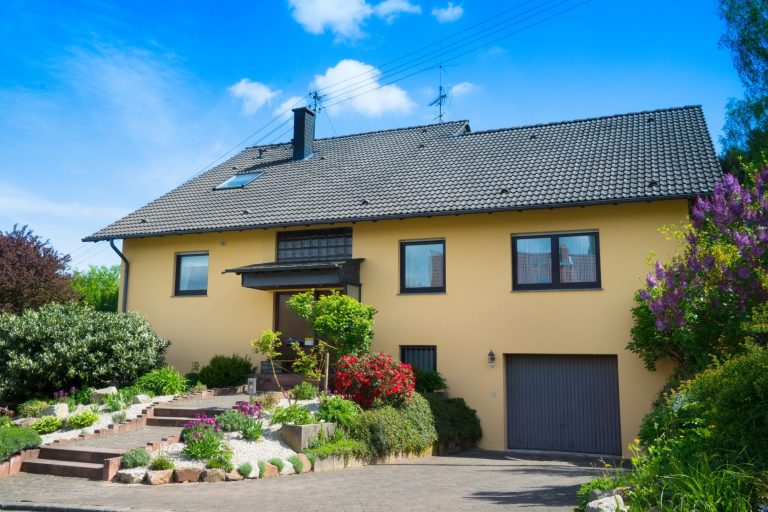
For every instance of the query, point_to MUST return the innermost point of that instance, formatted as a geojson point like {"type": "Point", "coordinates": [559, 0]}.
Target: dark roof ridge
{"type": "Point", "coordinates": [585, 119]}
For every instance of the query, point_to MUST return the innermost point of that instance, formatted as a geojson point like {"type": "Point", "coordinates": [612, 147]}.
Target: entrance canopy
{"type": "Point", "coordinates": [291, 275]}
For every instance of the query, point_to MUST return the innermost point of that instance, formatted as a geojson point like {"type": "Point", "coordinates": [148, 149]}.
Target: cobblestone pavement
{"type": "Point", "coordinates": [476, 481]}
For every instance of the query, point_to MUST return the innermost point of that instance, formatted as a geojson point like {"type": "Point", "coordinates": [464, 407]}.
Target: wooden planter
{"type": "Point", "coordinates": [299, 437]}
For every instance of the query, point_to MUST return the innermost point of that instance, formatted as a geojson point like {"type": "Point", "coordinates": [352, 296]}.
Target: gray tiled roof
{"type": "Point", "coordinates": [444, 169]}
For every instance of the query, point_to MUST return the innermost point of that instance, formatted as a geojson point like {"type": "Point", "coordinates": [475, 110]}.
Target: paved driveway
{"type": "Point", "coordinates": [474, 481]}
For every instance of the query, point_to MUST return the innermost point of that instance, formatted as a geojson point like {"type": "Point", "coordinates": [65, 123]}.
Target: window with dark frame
{"type": "Point", "coordinates": [314, 245]}
{"type": "Point", "coordinates": [558, 261]}
{"type": "Point", "coordinates": [423, 357]}
{"type": "Point", "coordinates": [191, 274]}
{"type": "Point", "coordinates": [422, 266]}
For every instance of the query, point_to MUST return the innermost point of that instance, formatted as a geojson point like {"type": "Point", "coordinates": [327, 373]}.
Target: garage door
{"type": "Point", "coordinates": [563, 403]}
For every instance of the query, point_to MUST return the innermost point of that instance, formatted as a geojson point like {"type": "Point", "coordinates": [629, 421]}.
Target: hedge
{"type": "Point", "coordinates": [15, 439]}
{"type": "Point", "coordinates": [456, 423]}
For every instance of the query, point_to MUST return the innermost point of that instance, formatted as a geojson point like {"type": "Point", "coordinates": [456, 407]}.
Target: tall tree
{"type": "Point", "coordinates": [99, 286]}
{"type": "Point", "coordinates": [32, 273]}
{"type": "Point", "coordinates": [746, 129]}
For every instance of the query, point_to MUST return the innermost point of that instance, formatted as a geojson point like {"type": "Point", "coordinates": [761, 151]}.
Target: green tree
{"type": "Point", "coordinates": [745, 134]}
{"type": "Point", "coordinates": [99, 286]}
{"type": "Point", "coordinates": [32, 273]}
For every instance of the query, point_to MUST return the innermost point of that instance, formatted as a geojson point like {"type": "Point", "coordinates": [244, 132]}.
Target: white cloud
{"type": "Point", "coordinates": [462, 89]}
{"type": "Point", "coordinates": [378, 100]}
{"type": "Point", "coordinates": [448, 13]}
{"type": "Point", "coordinates": [345, 18]}
{"type": "Point", "coordinates": [284, 110]}
{"type": "Point", "coordinates": [389, 9]}
{"type": "Point", "coordinates": [254, 94]}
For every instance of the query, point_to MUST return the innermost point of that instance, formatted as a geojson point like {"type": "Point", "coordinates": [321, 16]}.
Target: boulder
{"type": "Point", "coordinates": [270, 471]}
{"type": "Point", "coordinates": [233, 476]}
{"type": "Point", "coordinates": [24, 422]}
{"type": "Point", "coordinates": [160, 477]}
{"type": "Point", "coordinates": [98, 394]}
{"type": "Point", "coordinates": [213, 475]}
{"type": "Point", "coordinates": [305, 463]}
{"type": "Point", "coordinates": [187, 474]}
{"type": "Point", "coordinates": [608, 504]}
{"type": "Point", "coordinates": [130, 476]}
{"type": "Point", "coordinates": [141, 399]}
{"type": "Point", "coordinates": [59, 410]}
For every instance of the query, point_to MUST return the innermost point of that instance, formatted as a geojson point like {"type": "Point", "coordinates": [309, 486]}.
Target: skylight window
{"type": "Point", "coordinates": [238, 181]}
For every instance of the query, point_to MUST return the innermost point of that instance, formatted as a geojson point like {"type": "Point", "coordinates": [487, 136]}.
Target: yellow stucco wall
{"type": "Point", "coordinates": [478, 312]}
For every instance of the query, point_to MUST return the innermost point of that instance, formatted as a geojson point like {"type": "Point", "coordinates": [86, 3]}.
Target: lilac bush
{"type": "Point", "coordinates": [698, 307]}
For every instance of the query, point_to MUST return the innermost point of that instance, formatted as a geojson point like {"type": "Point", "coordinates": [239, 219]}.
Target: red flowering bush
{"type": "Point", "coordinates": [373, 380]}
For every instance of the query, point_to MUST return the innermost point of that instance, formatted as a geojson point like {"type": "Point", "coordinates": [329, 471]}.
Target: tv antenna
{"type": "Point", "coordinates": [443, 98]}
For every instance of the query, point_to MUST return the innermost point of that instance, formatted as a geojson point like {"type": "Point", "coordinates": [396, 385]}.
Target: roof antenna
{"type": "Point", "coordinates": [442, 98]}
{"type": "Point", "coordinates": [317, 100]}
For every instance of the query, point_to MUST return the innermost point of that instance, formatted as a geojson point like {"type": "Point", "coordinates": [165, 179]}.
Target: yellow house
{"type": "Point", "coordinates": [506, 259]}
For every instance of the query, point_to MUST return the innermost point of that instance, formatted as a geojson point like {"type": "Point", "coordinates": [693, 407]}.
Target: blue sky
{"type": "Point", "coordinates": [104, 106]}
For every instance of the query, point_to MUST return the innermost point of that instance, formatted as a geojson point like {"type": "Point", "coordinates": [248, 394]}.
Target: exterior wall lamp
{"type": "Point", "coordinates": [491, 359]}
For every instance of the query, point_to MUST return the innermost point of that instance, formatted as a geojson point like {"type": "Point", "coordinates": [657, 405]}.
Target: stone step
{"type": "Point", "coordinates": [184, 412]}
{"type": "Point", "coordinates": [167, 421]}
{"type": "Point", "coordinates": [87, 454]}
{"type": "Point", "coordinates": [63, 468]}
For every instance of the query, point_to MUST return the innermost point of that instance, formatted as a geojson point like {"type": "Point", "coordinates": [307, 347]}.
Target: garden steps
{"type": "Point", "coordinates": [68, 468]}
{"type": "Point", "coordinates": [87, 454]}
{"type": "Point", "coordinates": [178, 416]}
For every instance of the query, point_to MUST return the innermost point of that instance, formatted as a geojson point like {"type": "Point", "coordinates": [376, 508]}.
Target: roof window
{"type": "Point", "coordinates": [238, 181]}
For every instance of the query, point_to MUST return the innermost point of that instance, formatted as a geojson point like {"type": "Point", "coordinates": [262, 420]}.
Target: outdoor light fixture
{"type": "Point", "coordinates": [491, 358]}
{"type": "Point", "coordinates": [252, 383]}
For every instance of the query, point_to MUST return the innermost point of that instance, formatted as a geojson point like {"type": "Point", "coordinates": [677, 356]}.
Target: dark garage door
{"type": "Point", "coordinates": [563, 403]}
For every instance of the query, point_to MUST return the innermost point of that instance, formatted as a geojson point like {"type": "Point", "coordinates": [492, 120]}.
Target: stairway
{"type": "Point", "coordinates": [178, 416]}
{"type": "Point", "coordinates": [74, 461]}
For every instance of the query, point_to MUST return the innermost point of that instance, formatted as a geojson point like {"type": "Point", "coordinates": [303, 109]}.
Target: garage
{"type": "Point", "coordinates": [565, 403]}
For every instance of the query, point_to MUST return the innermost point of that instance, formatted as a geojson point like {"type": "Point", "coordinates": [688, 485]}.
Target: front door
{"type": "Point", "coordinates": [292, 327]}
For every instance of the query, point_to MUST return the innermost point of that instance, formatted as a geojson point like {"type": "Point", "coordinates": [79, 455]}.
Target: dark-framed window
{"type": "Point", "coordinates": [314, 245]}
{"type": "Point", "coordinates": [557, 261]}
{"type": "Point", "coordinates": [422, 266]}
{"type": "Point", "coordinates": [423, 357]}
{"type": "Point", "coordinates": [191, 274]}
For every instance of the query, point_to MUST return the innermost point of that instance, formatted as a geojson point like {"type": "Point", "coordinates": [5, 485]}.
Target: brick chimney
{"type": "Point", "coordinates": [303, 133]}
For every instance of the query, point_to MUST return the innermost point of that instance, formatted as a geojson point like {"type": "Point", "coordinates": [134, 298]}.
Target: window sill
{"type": "Point", "coordinates": [559, 290]}
{"type": "Point", "coordinates": [407, 294]}
{"type": "Point", "coordinates": [190, 296]}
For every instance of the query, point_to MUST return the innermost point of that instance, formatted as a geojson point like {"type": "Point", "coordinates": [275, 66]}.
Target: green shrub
{"type": "Point", "coordinates": [262, 467]}
{"type": "Point", "coordinates": [81, 396]}
{"type": "Point", "coordinates": [252, 429]}
{"type": "Point", "coordinates": [31, 408]}
{"type": "Point", "coordinates": [161, 463]}
{"type": "Point", "coordinates": [136, 458]}
{"type": "Point", "coordinates": [47, 425]}
{"type": "Point", "coordinates": [304, 391]}
{"type": "Point", "coordinates": [221, 460]}
{"type": "Point", "coordinates": [14, 439]}
{"type": "Point", "coordinates": [225, 371]}
{"type": "Point", "coordinates": [61, 345]}
{"type": "Point", "coordinates": [339, 410]}
{"type": "Point", "coordinates": [455, 422]}
{"type": "Point", "coordinates": [339, 445]}
{"type": "Point", "coordinates": [128, 392]}
{"type": "Point", "coordinates": [114, 403]}
{"type": "Point", "coordinates": [609, 480]}
{"type": "Point", "coordinates": [429, 381]}
{"type": "Point", "coordinates": [277, 462]}
{"type": "Point", "coordinates": [231, 420]}
{"type": "Point", "coordinates": [163, 381]}
{"type": "Point", "coordinates": [82, 420]}
{"type": "Point", "coordinates": [312, 459]}
{"type": "Point", "coordinates": [295, 414]}
{"type": "Point", "coordinates": [203, 438]}
{"type": "Point", "coordinates": [245, 469]}
{"type": "Point", "coordinates": [388, 430]}
{"type": "Point", "coordinates": [119, 417]}
{"type": "Point", "coordinates": [296, 463]}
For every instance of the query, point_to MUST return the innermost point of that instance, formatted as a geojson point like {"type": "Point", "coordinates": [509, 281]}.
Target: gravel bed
{"type": "Point", "coordinates": [105, 419]}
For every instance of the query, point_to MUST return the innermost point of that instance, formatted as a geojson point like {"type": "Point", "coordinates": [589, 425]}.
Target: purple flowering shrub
{"type": "Point", "coordinates": [699, 306]}
{"type": "Point", "coordinates": [203, 437]}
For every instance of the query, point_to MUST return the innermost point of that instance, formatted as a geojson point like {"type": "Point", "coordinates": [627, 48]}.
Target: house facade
{"type": "Point", "coordinates": [506, 260]}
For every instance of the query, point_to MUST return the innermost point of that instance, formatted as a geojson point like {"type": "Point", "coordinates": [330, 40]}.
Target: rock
{"type": "Point", "coordinates": [233, 476]}
{"type": "Point", "coordinates": [597, 494]}
{"type": "Point", "coordinates": [141, 399]}
{"type": "Point", "coordinates": [59, 410]}
{"type": "Point", "coordinates": [187, 474]}
{"type": "Point", "coordinates": [213, 475]}
{"type": "Point", "coordinates": [270, 471]}
{"type": "Point", "coordinates": [98, 394]}
{"type": "Point", "coordinates": [622, 491]}
{"type": "Point", "coordinates": [159, 477]}
{"type": "Point", "coordinates": [305, 463]}
{"type": "Point", "coordinates": [609, 504]}
{"type": "Point", "coordinates": [130, 476]}
{"type": "Point", "coordinates": [24, 422]}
